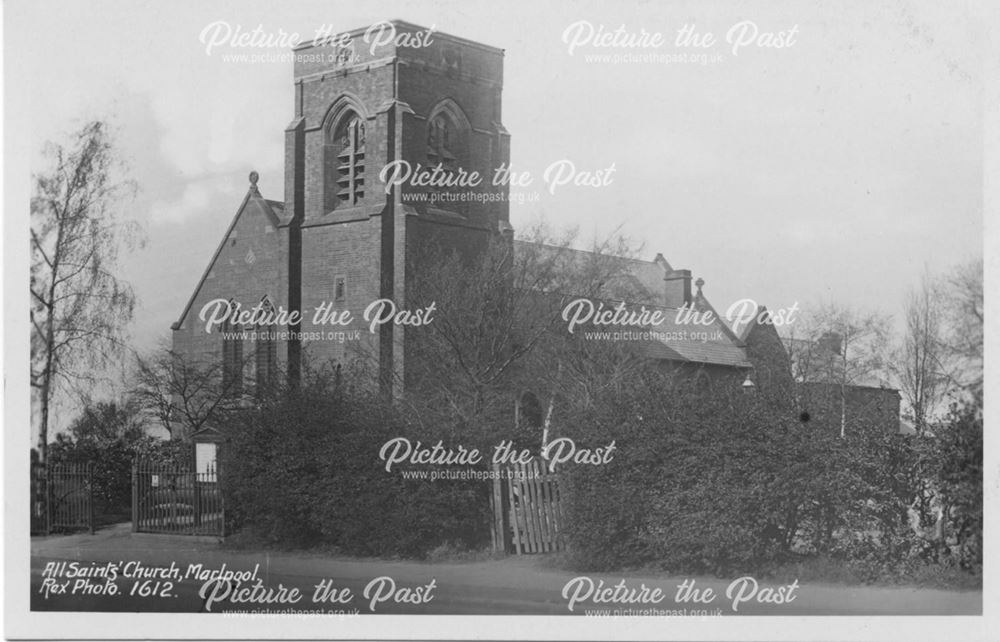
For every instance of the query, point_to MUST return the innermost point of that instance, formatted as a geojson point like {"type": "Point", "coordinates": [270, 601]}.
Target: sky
{"type": "Point", "coordinates": [835, 169]}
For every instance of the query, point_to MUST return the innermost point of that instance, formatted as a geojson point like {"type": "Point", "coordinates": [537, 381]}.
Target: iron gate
{"type": "Point", "coordinates": [175, 499]}
{"type": "Point", "coordinates": [62, 497]}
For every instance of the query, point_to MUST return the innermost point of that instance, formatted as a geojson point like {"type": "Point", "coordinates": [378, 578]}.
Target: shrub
{"type": "Point", "coordinates": [303, 469]}
{"type": "Point", "coordinates": [110, 436]}
{"type": "Point", "coordinates": [723, 482]}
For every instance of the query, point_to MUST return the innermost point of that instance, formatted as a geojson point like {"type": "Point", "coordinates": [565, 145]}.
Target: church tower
{"type": "Point", "coordinates": [393, 100]}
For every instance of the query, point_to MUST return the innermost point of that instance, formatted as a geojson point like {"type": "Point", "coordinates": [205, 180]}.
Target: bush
{"type": "Point", "coordinates": [953, 459]}
{"type": "Point", "coordinates": [722, 482]}
{"type": "Point", "coordinates": [303, 469]}
{"type": "Point", "coordinates": [110, 436]}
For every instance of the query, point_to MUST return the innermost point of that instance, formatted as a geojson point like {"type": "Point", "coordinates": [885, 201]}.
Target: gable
{"type": "Point", "coordinates": [256, 224]}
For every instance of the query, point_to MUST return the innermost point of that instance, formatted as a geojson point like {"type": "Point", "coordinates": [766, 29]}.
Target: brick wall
{"type": "Point", "coordinates": [371, 244]}
{"type": "Point", "coordinates": [876, 408]}
{"type": "Point", "coordinates": [254, 236]}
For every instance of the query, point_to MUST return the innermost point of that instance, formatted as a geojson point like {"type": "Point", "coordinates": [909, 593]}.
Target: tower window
{"type": "Point", "coordinates": [346, 162]}
{"type": "Point", "coordinates": [448, 132]}
{"type": "Point", "coordinates": [440, 137]}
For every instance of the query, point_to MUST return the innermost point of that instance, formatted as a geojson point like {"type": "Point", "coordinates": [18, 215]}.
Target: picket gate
{"type": "Point", "coordinates": [527, 509]}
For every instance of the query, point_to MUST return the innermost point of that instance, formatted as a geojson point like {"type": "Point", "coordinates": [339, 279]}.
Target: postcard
{"type": "Point", "coordinates": [481, 320]}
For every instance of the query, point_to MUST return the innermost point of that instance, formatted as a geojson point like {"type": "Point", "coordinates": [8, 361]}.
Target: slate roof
{"type": "Point", "coordinates": [672, 341]}
{"type": "Point", "coordinates": [644, 277]}
{"type": "Point", "coordinates": [680, 342]}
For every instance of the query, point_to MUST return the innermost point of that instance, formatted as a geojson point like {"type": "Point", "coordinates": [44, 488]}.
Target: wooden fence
{"type": "Point", "coordinates": [62, 497]}
{"type": "Point", "coordinates": [527, 509]}
{"type": "Point", "coordinates": [168, 498]}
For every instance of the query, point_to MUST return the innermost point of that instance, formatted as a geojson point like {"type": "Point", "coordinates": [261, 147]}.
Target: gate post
{"type": "Point", "coordinates": [222, 499]}
{"type": "Point", "coordinates": [196, 499]}
{"type": "Point", "coordinates": [135, 496]}
{"type": "Point", "coordinates": [500, 527]}
{"type": "Point", "coordinates": [48, 498]}
{"type": "Point", "coordinates": [90, 495]}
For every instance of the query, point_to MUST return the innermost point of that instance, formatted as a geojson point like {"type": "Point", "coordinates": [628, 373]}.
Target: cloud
{"type": "Point", "coordinates": [194, 199]}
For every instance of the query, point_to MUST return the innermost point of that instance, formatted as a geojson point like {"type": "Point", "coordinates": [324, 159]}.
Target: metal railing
{"type": "Point", "coordinates": [62, 497]}
{"type": "Point", "coordinates": [170, 498]}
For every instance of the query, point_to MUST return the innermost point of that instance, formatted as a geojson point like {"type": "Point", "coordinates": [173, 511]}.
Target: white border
{"type": "Point", "coordinates": [21, 623]}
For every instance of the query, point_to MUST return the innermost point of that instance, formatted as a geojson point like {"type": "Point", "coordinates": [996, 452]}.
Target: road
{"type": "Point", "coordinates": [515, 585]}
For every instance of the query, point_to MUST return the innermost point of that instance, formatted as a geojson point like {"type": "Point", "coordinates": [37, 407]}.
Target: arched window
{"type": "Point", "coordinates": [447, 141]}
{"type": "Point", "coordinates": [441, 135]}
{"type": "Point", "coordinates": [266, 349]}
{"type": "Point", "coordinates": [345, 161]}
{"type": "Point", "coordinates": [232, 358]}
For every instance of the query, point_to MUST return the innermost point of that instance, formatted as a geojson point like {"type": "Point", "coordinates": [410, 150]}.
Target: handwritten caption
{"type": "Point", "coordinates": [219, 587]}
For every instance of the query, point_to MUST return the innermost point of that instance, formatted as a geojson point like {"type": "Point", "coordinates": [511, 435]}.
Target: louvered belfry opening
{"type": "Point", "coordinates": [349, 146]}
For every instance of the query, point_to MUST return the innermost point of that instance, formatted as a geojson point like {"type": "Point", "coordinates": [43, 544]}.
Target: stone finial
{"type": "Point", "coordinates": [254, 177]}
{"type": "Point", "coordinates": [700, 282]}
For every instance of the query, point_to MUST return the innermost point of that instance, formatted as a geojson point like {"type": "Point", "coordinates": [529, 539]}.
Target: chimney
{"type": "Point", "coordinates": [831, 342]}
{"type": "Point", "coordinates": [678, 288]}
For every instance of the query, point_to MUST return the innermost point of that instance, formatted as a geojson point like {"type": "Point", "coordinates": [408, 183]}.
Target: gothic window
{"type": "Point", "coordinates": [266, 350]}
{"type": "Point", "coordinates": [232, 359]}
{"type": "Point", "coordinates": [447, 147]}
{"type": "Point", "coordinates": [441, 136]}
{"type": "Point", "coordinates": [346, 162]}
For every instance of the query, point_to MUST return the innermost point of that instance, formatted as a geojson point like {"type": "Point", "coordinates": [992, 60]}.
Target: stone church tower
{"type": "Point", "coordinates": [425, 98]}
{"type": "Point", "coordinates": [421, 99]}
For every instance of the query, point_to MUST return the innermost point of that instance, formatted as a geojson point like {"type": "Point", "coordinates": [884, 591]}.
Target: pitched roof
{"type": "Point", "coordinates": [639, 276]}
{"type": "Point", "coordinates": [670, 340]}
{"type": "Point", "coordinates": [253, 201]}
{"type": "Point", "coordinates": [693, 343]}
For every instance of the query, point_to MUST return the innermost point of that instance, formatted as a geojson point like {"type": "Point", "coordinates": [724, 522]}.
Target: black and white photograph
{"type": "Point", "coordinates": [478, 320]}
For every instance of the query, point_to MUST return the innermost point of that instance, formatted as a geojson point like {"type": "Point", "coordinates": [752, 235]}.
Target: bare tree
{"type": "Point", "coordinates": [184, 395]}
{"type": "Point", "coordinates": [962, 347]}
{"type": "Point", "coordinates": [918, 365]}
{"type": "Point", "coordinates": [80, 307]}
{"type": "Point", "coordinates": [840, 345]}
{"type": "Point", "coordinates": [494, 307]}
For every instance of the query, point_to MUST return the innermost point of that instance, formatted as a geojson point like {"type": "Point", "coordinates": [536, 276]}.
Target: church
{"type": "Point", "coordinates": [342, 238]}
